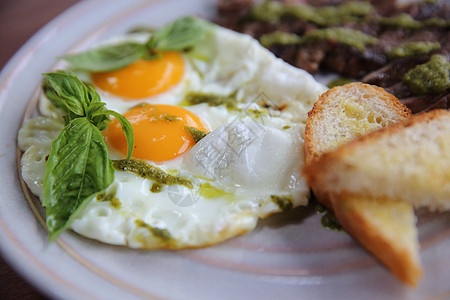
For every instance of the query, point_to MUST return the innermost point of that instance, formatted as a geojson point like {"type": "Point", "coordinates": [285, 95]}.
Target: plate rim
{"type": "Point", "coordinates": [6, 74]}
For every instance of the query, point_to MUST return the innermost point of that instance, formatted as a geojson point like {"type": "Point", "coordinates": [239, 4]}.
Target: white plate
{"type": "Point", "coordinates": [287, 256]}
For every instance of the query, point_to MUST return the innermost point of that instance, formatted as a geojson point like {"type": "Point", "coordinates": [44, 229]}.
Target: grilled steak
{"type": "Point", "coordinates": [376, 42]}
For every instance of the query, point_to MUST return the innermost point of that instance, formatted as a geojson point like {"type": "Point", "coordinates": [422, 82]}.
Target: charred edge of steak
{"type": "Point", "coordinates": [419, 104]}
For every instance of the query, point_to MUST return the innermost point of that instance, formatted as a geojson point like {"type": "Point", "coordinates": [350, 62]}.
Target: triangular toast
{"type": "Point", "coordinates": [385, 227]}
{"type": "Point", "coordinates": [408, 161]}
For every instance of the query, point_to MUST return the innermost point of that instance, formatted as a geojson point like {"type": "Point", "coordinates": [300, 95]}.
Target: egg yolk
{"type": "Point", "coordinates": [159, 132]}
{"type": "Point", "coordinates": [143, 78]}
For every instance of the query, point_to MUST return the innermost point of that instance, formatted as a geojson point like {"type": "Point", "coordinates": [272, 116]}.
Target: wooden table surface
{"type": "Point", "coordinates": [19, 20]}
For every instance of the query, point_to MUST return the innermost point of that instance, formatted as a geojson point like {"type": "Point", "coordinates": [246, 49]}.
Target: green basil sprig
{"type": "Point", "coordinates": [180, 35]}
{"type": "Point", "coordinates": [107, 58]}
{"type": "Point", "coordinates": [78, 166]}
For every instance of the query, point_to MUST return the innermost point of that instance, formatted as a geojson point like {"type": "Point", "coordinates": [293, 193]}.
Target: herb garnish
{"type": "Point", "coordinates": [180, 35]}
{"type": "Point", "coordinates": [78, 166]}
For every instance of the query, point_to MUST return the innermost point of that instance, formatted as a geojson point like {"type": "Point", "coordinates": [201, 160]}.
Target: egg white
{"type": "Point", "coordinates": [252, 154]}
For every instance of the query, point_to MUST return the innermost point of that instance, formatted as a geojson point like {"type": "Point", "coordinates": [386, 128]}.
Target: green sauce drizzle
{"type": "Point", "coordinates": [171, 118]}
{"type": "Point", "coordinates": [345, 36]}
{"type": "Point", "coordinates": [280, 38]}
{"type": "Point", "coordinates": [432, 77]}
{"type": "Point", "coordinates": [156, 188]}
{"type": "Point", "coordinates": [196, 134]}
{"type": "Point", "coordinates": [407, 22]}
{"type": "Point", "coordinates": [273, 11]}
{"type": "Point", "coordinates": [211, 100]}
{"type": "Point", "coordinates": [283, 202]}
{"type": "Point", "coordinates": [110, 196]}
{"type": "Point", "coordinates": [270, 11]}
{"type": "Point", "coordinates": [144, 170]}
{"type": "Point", "coordinates": [329, 221]}
{"type": "Point", "coordinates": [413, 49]}
{"type": "Point", "coordinates": [338, 82]}
{"type": "Point", "coordinates": [162, 234]}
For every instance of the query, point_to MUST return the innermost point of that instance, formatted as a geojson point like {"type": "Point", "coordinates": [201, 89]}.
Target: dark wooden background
{"type": "Point", "coordinates": [19, 20]}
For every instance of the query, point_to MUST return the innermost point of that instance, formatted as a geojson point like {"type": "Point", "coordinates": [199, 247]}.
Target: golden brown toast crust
{"type": "Point", "coordinates": [401, 262]}
{"type": "Point", "coordinates": [316, 114]}
{"type": "Point", "coordinates": [315, 168]}
{"type": "Point", "coordinates": [404, 264]}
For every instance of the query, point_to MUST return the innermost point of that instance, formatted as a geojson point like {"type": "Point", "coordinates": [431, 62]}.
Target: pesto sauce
{"type": "Point", "coordinates": [329, 221]}
{"type": "Point", "coordinates": [273, 11]}
{"type": "Point", "coordinates": [115, 202]}
{"type": "Point", "coordinates": [283, 202]}
{"type": "Point", "coordinates": [345, 36]}
{"type": "Point", "coordinates": [210, 99]}
{"type": "Point", "coordinates": [405, 21]}
{"type": "Point", "coordinates": [270, 11]}
{"type": "Point", "coordinates": [144, 170]}
{"type": "Point", "coordinates": [413, 49]}
{"type": "Point", "coordinates": [280, 38]}
{"type": "Point", "coordinates": [110, 197]}
{"type": "Point", "coordinates": [196, 134]}
{"type": "Point", "coordinates": [156, 188]}
{"type": "Point", "coordinates": [351, 12]}
{"type": "Point", "coordinates": [171, 118]}
{"type": "Point", "coordinates": [338, 82]}
{"type": "Point", "coordinates": [315, 205]}
{"type": "Point", "coordinates": [432, 77]}
{"type": "Point", "coordinates": [162, 234]}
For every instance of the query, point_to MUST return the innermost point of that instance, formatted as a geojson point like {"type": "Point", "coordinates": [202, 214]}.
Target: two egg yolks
{"type": "Point", "coordinates": [159, 132]}
{"type": "Point", "coordinates": [143, 78]}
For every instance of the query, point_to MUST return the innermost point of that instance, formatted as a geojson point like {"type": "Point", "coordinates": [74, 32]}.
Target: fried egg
{"type": "Point", "coordinates": [143, 78]}
{"type": "Point", "coordinates": [178, 192]}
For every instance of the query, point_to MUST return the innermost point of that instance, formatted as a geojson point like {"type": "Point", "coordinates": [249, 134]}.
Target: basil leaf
{"type": "Point", "coordinates": [93, 95]}
{"type": "Point", "coordinates": [68, 92]}
{"type": "Point", "coordinates": [179, 35]}
{"type": "Point", "coordinates": [96, 113]}
{"type": "Point", "coordinates": [78, 167]}
{"type": "Point", "coordinates": [106, 58]}
{"type": "Point", "coordinates": [52, 96]}
{"type": "Point", "coordinates": [127, 130]}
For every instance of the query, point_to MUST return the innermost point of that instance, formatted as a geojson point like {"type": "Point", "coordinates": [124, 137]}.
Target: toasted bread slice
{"type": "Point", "coordinates": [385, 227]}
{"type": "Point", "coordinates": [344, 113]}
{"type": "Point", "coordinates": [408, 161]}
